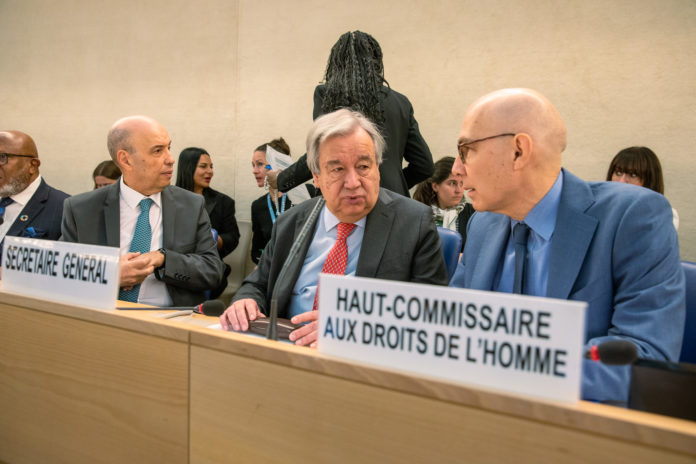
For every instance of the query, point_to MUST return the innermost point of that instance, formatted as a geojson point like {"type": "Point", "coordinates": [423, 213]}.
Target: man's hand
{"type": "Point", "coordinates": [272, 178]}
{"type": "Point", "coordinates": [308, 333]}
{"type": "Point", "coordinates": [239, 314]}
{"type": "Point", "coordinates": [134, 267]}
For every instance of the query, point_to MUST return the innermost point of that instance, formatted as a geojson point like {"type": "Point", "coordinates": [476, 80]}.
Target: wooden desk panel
{"type": "Point", "coordinates": [245, 409]}
{"type": "Point", "coordinates": [75, 391]}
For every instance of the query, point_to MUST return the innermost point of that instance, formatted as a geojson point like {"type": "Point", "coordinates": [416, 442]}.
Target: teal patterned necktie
{"type": "Point", "coordinates": [142, 236]}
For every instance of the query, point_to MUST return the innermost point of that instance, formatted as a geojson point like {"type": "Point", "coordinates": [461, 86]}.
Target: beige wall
{"type": "Point", "coordinates": [229, 75]}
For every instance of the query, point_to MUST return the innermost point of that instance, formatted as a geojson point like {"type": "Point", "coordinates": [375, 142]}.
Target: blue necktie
{"type": "Point", "coordinates": [520, 234]}
{"type": "Point", "coordinates": [142, 236]}
{"type": "Point", "coordinates": [3, 204]}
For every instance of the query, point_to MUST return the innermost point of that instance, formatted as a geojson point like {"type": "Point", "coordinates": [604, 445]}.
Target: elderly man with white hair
{"type": "Point", "coordinates": [362, 230]}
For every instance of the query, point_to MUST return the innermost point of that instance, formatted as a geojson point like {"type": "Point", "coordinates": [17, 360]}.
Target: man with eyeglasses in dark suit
{"type": "Point", "coordinates": [29, 207]}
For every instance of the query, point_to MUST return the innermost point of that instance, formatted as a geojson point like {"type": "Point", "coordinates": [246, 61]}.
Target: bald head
{"type": "Point", "coordinates": [521, 111]}
{"type": "Point", "coordinates": [140, 146]}
{"type": "Point", "coordinates": [119, 137]}
{"type": "Point", "coordinates": [21, 163]}
{"type": "Point", "coordinates": [17, 142]}
{"type": "Point", "coordinates": [510, 150]}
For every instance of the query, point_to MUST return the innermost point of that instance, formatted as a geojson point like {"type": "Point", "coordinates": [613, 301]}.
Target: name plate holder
{"type": "Point", "coordinates": [520, 344]}
{"type": "Point", "coordinates": [71, 273]}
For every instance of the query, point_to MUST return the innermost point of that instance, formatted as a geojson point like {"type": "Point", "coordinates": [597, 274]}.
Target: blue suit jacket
{"type": "Point", "coordinates": [614, 246]}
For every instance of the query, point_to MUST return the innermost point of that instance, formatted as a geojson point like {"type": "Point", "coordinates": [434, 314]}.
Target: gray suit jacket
{"type": "Point", "coordinates": [400, 243]}
{"type": "Point", "coordinates": [192, 265]}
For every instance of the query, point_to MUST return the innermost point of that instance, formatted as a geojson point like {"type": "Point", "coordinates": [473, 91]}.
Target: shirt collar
{"type": "Point", "coordinates": [542, 218]}
{"type": "Point", "coordinates": [132, 198]}
{"type": "Point", "coordinates": [25, 195]}
{"type": "Point", "coordinates": [331, 221]}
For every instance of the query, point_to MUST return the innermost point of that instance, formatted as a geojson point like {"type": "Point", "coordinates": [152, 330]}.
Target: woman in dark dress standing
{"type": "Point", "coordinates": [355, 79]}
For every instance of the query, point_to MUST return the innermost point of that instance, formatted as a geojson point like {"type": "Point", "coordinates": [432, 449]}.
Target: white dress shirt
{"type": "Point", "coordinates": [152, 291]}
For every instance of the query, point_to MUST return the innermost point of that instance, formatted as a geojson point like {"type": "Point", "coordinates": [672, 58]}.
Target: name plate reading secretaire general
{"type": "Point", "coordinates": [67, 272]}
{"type": "Point", "coordinates": [520, 344]}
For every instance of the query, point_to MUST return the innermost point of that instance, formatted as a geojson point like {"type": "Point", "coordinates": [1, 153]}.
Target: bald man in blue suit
{"type": "Point", "coordinates": [609, 244]}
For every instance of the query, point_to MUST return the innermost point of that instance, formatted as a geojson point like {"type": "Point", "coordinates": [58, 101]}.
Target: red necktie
{"type": "Point", "coordinates": [337, 260]}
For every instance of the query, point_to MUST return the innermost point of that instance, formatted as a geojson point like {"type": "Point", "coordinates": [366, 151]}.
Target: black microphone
{"type": "Point", "coordinates": [208, 308]}
{"type": "Point", "coordinates": [613, 352]}
{"type": "Point", "coordinates": [272, 331]}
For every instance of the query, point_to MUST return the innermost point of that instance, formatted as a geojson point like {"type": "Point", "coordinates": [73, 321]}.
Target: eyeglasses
{"type": "Point", "coordinates": [5, 156]}
{"type": "Point", "coordinates": [463, 147]}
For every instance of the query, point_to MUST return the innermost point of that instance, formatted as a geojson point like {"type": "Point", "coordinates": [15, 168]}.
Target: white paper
{"type": "Point", "coordinates": [279, 160]}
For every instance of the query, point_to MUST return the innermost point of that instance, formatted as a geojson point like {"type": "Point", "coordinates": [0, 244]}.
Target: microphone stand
{"type": "Point", "coordinates": [272, 331]}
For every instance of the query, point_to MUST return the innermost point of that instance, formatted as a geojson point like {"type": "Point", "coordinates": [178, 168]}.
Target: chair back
{"type": "Point", "coordinates": [688, 352]}
{"type": "Point", "coordinates": [451, 242]}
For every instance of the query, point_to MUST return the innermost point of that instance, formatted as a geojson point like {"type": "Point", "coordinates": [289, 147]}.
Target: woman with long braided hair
{"type": "Point", "coordinates": [355, 79]}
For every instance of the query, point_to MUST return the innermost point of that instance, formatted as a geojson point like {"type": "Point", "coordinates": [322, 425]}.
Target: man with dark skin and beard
{"type": "Point", "coordinates": [29, 207]}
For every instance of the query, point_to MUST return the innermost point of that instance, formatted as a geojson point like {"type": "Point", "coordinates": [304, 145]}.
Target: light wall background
{"type": "Point", "coordinates": [229, 75]}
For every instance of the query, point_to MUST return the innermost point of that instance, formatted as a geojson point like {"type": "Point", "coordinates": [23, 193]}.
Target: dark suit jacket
{"type": "Point", "coordinates": [261, 224]}
{"type": "Point", "coordinates": [192, 265]}
{"type": "Point", "coordinates": [614, 246]}
{"type": "Point", "coordinates": [400, 243]}
{"type": "Point", "coordinates": [220, 209]}
{"type": "Point", "coordinates": [403, 140]}
{"type": "Point", "coordinates": [43, 213]}
{"type": "Point", "coordinates": [41, 216]}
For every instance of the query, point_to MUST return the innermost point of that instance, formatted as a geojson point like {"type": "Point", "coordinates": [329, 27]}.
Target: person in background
{"type": "Point", "coordinates": [354, 79]}
{"type": "Point", "coordinates": [168, 256]}
{"type": "Point", "coordinates": [106, 173]}
{"type": "Point", "coordinates": [444, 193]}
{"type": "Point", "coordinates": [29, 206]}
{"type": "Point", "coordinates": [194, 174]}
{"type": "Point", "coordinates": [266, 209]}
{"type": "Point", "coordinates": [541, 231]}
{"type": "Point", "coordinates": [639, 166]}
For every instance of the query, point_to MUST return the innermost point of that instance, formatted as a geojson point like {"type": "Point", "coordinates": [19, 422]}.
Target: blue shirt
{"type": "Point", "coordinates": [325, 234]}
{"type": "Point", "coordinates": [542, 222]}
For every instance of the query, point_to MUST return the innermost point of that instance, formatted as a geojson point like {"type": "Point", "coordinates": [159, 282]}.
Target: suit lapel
{"type": "Point", "coordinates": [377, 226]}
{"type": "Point", "coordinates": [112, 216]}
{"type": "Point", "coordinates": [491, 254]}
{"type": "Point", "coordinates": [571, 237]}
{"type": "Point", "coordinates": [30, 211]}
{"type": "Point", "coordinates": [210, 202]}
{"type": "Point", "coordinates": [169, 207]}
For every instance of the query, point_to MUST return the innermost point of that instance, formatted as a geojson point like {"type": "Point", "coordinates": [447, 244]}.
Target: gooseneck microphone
{"type": "Point", "coordinates": [272, 331]}
{"type": "Point", "coordinates": [613, 352]}
{"type": "Point", "coordinates": [208, 308]}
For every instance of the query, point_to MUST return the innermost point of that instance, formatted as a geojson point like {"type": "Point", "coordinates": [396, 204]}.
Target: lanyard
{"type": "Point", "coordinates": [270, 207]}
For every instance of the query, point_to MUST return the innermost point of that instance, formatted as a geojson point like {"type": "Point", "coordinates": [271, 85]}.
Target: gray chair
{"type": "Point", "coordinates": [240, 262]}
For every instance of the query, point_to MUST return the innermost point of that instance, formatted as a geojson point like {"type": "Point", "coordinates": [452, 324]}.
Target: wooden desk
{"type": "Point", "coordinates": [277, 403]}
{"type": "Point", "coordinates": [81, 385]}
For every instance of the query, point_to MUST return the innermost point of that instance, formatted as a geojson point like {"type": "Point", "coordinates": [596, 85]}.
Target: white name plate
{"type": "Point", "coordinates": [516, 343]}
{"type": "Point", "coordinates": [68, 272]}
